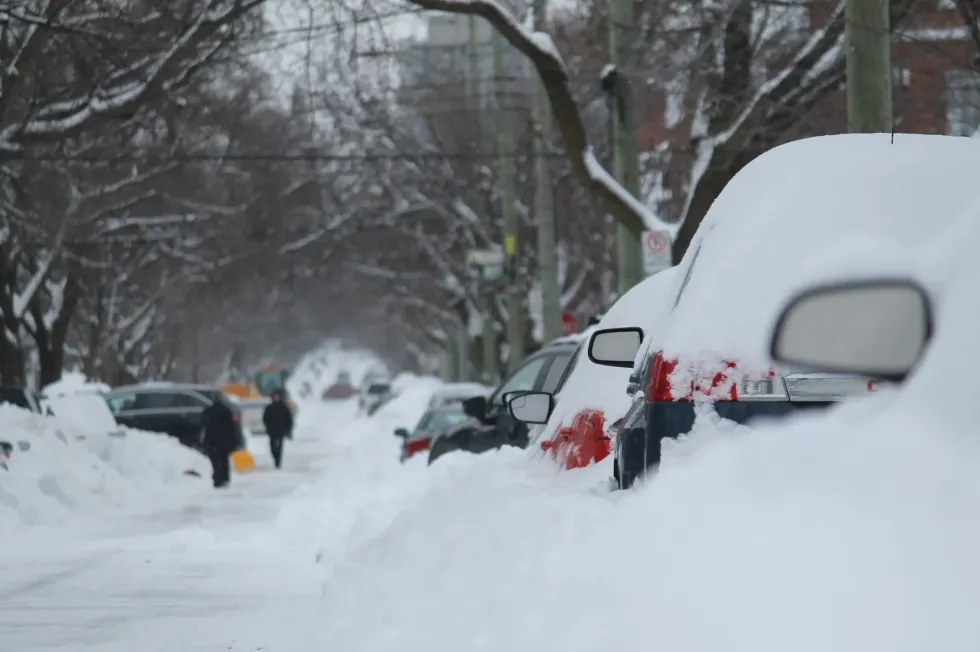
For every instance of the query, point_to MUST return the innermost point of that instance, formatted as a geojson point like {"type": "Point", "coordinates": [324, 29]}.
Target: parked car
{"type": "Point", "coordinates": [171, 408]}
{"type": "Point", "coordinates": [592, 402]}
{"type": "Point", "coordinates": [710, 346]}
{"type": "Point", "coordinates": [437, 422]}
{"type": "Point", "coordinates": [340, 389]}
{"type": "Point", "coordinates": [23, 398]}
{"type": "Point", "coordinates": [373, 395]}
{"type": "Point", "coordinates": [493, 425]}
{"type": "Point", "coordinates": [84, 408]}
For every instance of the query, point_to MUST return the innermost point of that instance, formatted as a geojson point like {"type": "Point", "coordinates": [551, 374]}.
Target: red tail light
{"type": "Point", "coordinates": [661, 390]}
{"type": "Point", "coordinates": [417, 446]}
{"type": "Point", "coordinates": [660, 370]}
{"type": "Point", "coordinates": [235, 417]}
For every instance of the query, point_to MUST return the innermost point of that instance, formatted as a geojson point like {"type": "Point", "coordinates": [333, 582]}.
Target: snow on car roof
{"type": "Point", "coordinates": [781, 215]}
{"type": "Point", "coordinates": [591, 386]}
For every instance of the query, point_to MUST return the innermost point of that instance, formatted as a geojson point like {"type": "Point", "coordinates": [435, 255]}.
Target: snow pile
{"type": "Point", "coordinates": [73, 382]}
{"type": "Point", "coordinates": [854, 533]}
{"type": "Point", "coordinates": [363, 485]}
{"type": "Point", "coordinates": [760, 236]}
{"type": "Point", "coordinates": [853, 529]}
{"type": "Point", "coordinates": [68, 474]}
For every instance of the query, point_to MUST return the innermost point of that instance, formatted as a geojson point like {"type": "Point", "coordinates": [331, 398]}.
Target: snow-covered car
{"type": "Point", "coordinates": [451, 393]}
{"type": "Point", "coordinates": [437, 421]}
{"type": "Point", "coordinates": [494, 426]}
{"type": "Point", "coordinates": [373, 395]}
{"type": "Point", "coordinates": [342, 388]}
{"type": "Point", "coordinates": [593, 399]}
{"type": "Point", "coordinates": [21, 397]}
{"type": "Point", "coordinates": [810, 207]}
{"type": "Point", "coordinates": [85, 409]}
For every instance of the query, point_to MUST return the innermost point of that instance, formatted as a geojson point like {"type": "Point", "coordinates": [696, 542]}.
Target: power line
{"type": "Point", "coordinates": [261, 157]}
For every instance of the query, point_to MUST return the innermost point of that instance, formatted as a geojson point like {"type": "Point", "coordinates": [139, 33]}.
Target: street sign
{"type": "Point", "coordinates": [656, 251]}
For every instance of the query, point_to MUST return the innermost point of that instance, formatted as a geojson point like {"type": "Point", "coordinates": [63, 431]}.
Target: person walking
{"type": "Point", "coordinates": [278, 420]}
{"type": "Point", "coordinates": [220, 440]}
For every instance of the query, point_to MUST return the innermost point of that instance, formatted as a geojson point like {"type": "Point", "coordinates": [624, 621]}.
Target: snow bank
{"type": "Point", "coordinates": [72, 382]}
{"type": "Point", "coordinates": [72, 475]}
{"type": "Point", "coordinates": [853, 529]}
{"type": "Point", "coordinates": [788, 208]}
{"type": "Point", "coordinates": [363, 485]}
{"type": "Point", "coordinates": [837, 534]}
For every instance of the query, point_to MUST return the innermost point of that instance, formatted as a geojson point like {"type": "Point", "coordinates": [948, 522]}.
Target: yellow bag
{"type": "Point", "coordinates": [243, 461]}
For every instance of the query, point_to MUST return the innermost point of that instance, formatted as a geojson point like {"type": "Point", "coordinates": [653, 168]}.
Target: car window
{"type": "Point", "coordinates": [119, 402]}
{"type": "Point", "coordinates": [522, 380]}
{"type": "Point", "coordinates": [559, 363]}
{"type": "Point", "coordinates": [687, 275]}
{"type": "Point", "coordinates": [155, 400]}
{"type": "Point", "coordinates": [570, 368]}
{"type": "Point", "coordinates": [189, 401]}
{"type": "Point", "coordinates": [440, 420]}
{"type": "Point", "coordinates": [212, 395]}
{"type": "Point", "coordinates": [377, 389]}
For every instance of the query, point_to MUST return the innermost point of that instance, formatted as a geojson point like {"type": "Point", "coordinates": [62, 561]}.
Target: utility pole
{"type": "Point", "coordinates": [869, 66]}
{"type": "Point", "coordinates": [626, 162]}
{"type": "Point", "coordinates": [508, 183]}
{"type": "Point", "coordinates": [544, 204]}
{"type": "Point", "coordinates": [491, 373]}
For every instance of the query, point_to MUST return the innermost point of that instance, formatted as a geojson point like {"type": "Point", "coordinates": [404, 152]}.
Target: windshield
{"type": "Point", "coordinates": [268, 381]}
{"type": "Point", "coordinates": [440, 420]}
{"type": "Point", "coordinates": [377, 389]}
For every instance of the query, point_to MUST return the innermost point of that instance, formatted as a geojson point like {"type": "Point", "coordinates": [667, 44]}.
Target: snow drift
{"type": "Point", "coordinates": [363, 485]}
{"type": "Point", "coordinates": [69, 474]}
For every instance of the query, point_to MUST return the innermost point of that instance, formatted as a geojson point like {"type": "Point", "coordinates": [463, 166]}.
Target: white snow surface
{"type": "Point", "coordinates": [592, 386]}
{"type": "Point", "coordinates": [71, 475]}
{"type": "Point", "coordinates": [853, 530]}
{"type": "Point", "coordinates": [806, 209]}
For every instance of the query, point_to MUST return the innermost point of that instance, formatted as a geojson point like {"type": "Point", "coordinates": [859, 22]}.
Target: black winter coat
{"type": "Point", "coordinates": [220, 429]}
{"type": "Point", "coordinates": [278, 419]}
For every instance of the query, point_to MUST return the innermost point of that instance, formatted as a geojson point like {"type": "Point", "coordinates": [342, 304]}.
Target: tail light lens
{"type": "Point", "coordinates": [235, 417]}
{"type": "Point", "coordinates": [660, 390]}
{"type": "Point", "coordinates": [417, 446]}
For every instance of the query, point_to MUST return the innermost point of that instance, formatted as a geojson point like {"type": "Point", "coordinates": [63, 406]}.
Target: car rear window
{"type": "Point", "coordinates": [440, 420]}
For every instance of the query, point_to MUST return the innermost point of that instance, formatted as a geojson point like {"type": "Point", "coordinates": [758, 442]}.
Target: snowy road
{"type": "Point", "coordinates": [194, 577]}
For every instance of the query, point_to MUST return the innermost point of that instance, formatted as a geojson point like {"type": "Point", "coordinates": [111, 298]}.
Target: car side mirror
{"type": "Point", "coordinates": [476, 407]}
{"type": "Point", "coordinates": [615, 347]}
{"type": "Point", "coordinates": [876, 328]}
{"type": "Point", "coordinates": [532, 407]}
{"type": "Point", "coordinates": [401, 432]}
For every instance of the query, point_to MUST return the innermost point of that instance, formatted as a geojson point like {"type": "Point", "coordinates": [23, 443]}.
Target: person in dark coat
{"type": "Point", "coordinates": [278, 420]}
{"type": "Point", "coordinates": [220, 440]}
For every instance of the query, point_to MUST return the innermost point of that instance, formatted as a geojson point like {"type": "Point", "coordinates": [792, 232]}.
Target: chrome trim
{"type": "Point", "coordinates": [825, 387]}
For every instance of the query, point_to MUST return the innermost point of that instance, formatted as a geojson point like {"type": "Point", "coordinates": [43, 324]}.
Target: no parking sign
{"type": "Point", "coordinates": [656, 251]}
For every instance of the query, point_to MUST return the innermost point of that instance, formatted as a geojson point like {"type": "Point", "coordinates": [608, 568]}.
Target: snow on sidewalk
{"type": "Point", "coordinates": [224, 570]}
